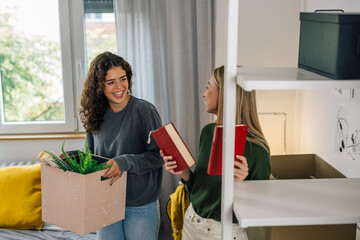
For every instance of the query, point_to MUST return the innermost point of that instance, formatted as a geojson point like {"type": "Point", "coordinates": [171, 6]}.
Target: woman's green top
{"type": "Point", "coordinates": [205, 190]}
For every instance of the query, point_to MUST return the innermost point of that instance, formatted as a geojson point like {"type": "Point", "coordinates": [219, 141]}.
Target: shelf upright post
{"type": "Point", "coordinates": [227, 185]}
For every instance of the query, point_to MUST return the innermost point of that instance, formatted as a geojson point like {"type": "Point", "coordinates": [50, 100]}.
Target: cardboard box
{"type": "Point", "coordinates": [302, 166]}
{"type": "Point", "coordinates": [81, 203]}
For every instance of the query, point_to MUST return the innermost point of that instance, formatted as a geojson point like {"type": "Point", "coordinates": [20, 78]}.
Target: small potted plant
{"type": "Point", "coordinates": [82, 163]}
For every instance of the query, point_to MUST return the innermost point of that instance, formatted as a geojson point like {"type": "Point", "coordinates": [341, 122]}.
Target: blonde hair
{"type": "Point", "coordinates": [246, 110]}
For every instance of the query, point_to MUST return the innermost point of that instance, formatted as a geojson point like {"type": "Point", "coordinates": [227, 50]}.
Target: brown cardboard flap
{"type": "Point", "coordinates": [311, 232]}
{"type": "Point", "coordinates": [302, 166]}
{"type": "Point", "coordinates": [292, 166]}
{"type": "Point", "coordinates": [315, 232]}
{"type": "Point", "coordinates": [325, 170]}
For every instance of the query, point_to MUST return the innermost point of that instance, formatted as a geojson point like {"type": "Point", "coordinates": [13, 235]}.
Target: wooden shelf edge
{"type": "Point", "coordinates": [42, 136]}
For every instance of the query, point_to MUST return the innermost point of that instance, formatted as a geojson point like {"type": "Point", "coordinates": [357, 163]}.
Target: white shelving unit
{"type": "Point", "coordinates": [251, 78]}
{"type": "Point", "coordinates": [287, 78]}
{"type": "Point", "coordinates": [297, 202]}
{"type": "Point", "coordinates": [283, 203]}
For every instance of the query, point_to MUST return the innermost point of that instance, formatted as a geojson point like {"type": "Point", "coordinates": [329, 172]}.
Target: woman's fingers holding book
{"type": "Point", "coordinates": [242, 166]}
{"type": "Point", "coordinates": [165, 158]}
{"type": "Point", "coordinates": [242, 170]}
{"type": "Point", "coordinates": [239, 176]}
{"type": "Point", "coordinates": [241, 173]}
{"type": "Point", "coordinates": [170, 165]}
{"type": "Point", "coordinates": [242, 159]}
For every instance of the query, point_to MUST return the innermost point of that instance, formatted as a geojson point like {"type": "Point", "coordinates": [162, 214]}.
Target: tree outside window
{"type": "Point", "coordinates": [30, 68]}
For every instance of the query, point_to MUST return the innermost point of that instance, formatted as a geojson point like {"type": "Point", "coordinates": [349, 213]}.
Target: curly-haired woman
{"type": "Point", "coordinates": [118, 126]}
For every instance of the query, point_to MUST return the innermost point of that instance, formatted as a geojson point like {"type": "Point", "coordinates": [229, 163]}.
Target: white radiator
{"type": "Point", "coordinates": [13, 164]}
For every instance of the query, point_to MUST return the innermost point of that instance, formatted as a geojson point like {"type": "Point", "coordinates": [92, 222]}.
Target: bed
{"type": "Point", "coordinates": [48, 232]}
{"type": "Point", "coordinates": [20, 206]}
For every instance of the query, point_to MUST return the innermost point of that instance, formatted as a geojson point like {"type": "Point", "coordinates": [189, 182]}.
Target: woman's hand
{"type": "Point", "coordinates": [170, 165]}
{"type": "Point", "coordinates": [114, 172]}
{"type": "Point", "coordinates": [242, 171]}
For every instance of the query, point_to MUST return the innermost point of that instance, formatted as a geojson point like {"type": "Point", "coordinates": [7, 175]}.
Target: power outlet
{"type": "Point", "coordinates": [343, 93]}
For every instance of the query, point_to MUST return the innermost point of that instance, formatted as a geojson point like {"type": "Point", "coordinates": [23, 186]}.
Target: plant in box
{"type": "Point", "coordinates": [82, 163]}
{"type": "Point", "coordinates": [87, 202]}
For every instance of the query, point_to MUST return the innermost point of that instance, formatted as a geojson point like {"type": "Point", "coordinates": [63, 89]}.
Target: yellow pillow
{"type": "Point", "coordinates": [20, 197]}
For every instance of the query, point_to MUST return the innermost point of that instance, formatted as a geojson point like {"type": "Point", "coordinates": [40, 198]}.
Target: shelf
{"type": "Point", "coordinates": [297, 202]}
{"type": "Point", "coordinates": [286, 78]}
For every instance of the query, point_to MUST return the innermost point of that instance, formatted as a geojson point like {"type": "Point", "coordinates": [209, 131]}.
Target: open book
{"type": "Point", "coordinates": [171, 143]}
{"type": "Point", "coordinates": [215, 159]}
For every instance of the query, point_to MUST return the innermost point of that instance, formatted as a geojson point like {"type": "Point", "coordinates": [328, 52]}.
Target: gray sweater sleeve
{"type": "Point", "coordinates": [150, 159]}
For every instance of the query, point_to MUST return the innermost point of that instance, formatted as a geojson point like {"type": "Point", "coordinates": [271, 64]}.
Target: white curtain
{"type": "Point", "coordinates": [169, 44]}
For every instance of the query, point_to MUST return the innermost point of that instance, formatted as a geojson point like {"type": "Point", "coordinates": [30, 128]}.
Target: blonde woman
{"type": "Point", "coordinates": [202, 218]}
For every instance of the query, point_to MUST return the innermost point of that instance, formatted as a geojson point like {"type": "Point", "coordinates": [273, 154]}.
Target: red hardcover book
{"type": "Point", "coordinates": [215, 159]}
{"type": "Point", "coordinates": [171, 143]}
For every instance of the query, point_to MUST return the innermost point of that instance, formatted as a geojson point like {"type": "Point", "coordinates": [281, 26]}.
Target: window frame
{"type": "Point", "coordinates": [72, 38]}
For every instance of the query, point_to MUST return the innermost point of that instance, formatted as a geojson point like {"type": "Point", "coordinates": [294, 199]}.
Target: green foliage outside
{"type": "Point", "coordinates": [30, 71]}
{"type": "Point", "coordinates": [84, 165]}
{"type": "Point", "coordinates": [98, 42]}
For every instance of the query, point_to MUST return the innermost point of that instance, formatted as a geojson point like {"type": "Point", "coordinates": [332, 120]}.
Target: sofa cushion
{"type": "Point", "coordinates": [20, 197]}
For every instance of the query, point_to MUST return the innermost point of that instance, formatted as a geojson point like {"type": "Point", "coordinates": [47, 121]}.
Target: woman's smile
{"type": "Point", "coordinates": [116, 88]}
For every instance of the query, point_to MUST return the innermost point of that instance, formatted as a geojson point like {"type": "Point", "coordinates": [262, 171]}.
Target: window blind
{"type": "Point", "coordinates": [98, 6]}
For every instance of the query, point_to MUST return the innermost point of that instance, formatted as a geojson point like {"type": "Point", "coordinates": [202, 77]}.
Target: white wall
{"type": "Point", "coordinates": [268, 32]}
{"type": "Point", "coordinates": [322, 111]}
{"type": "Point", "coordinates": [27, 150]}
{"type": "Point", "coordinates": [280, 101]}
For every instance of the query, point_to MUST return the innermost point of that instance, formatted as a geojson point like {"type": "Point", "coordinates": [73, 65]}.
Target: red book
{"type": "Point", "coordinates": [215, 159]}
{"type": "Point", "coordinates": [171, 143]}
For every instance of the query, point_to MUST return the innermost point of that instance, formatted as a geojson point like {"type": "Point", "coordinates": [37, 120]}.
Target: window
{"type": "Point", "coordinates": [42, 60]}
{"type": "Point", "coordinates": [33, 67]}
{"type": "Point", "coordinates": [100, 28]}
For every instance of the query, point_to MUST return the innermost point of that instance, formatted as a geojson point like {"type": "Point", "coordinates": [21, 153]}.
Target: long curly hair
{"type": "Point", "coordinates": [246, 110]}
{"type": "Point", "coordinates": [93, 102]}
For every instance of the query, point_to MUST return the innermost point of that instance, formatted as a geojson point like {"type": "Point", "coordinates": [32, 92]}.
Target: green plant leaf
{"type": "Point", "coordinates": [85, 164]}
{"type": "Point", "coordinates": [72, 162]}
{"type": "Point", "coordinates": [60, 162]}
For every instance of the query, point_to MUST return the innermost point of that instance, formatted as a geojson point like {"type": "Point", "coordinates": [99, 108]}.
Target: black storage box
{"type": "Point", "coordinates": [330, 44]}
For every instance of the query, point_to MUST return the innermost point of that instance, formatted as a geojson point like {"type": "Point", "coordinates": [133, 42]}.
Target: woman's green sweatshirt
{"type": "Point", "coordinates": [205, 190]}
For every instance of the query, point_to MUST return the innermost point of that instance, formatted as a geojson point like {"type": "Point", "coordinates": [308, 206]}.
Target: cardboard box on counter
{"type": "Point", "coordinates": [303, 166]}
{"type": "Point", "coordinates": [81, 203]}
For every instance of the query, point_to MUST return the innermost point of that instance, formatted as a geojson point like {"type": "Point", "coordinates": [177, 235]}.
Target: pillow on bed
{"type": "Point", "coordinates": [20, 197]}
